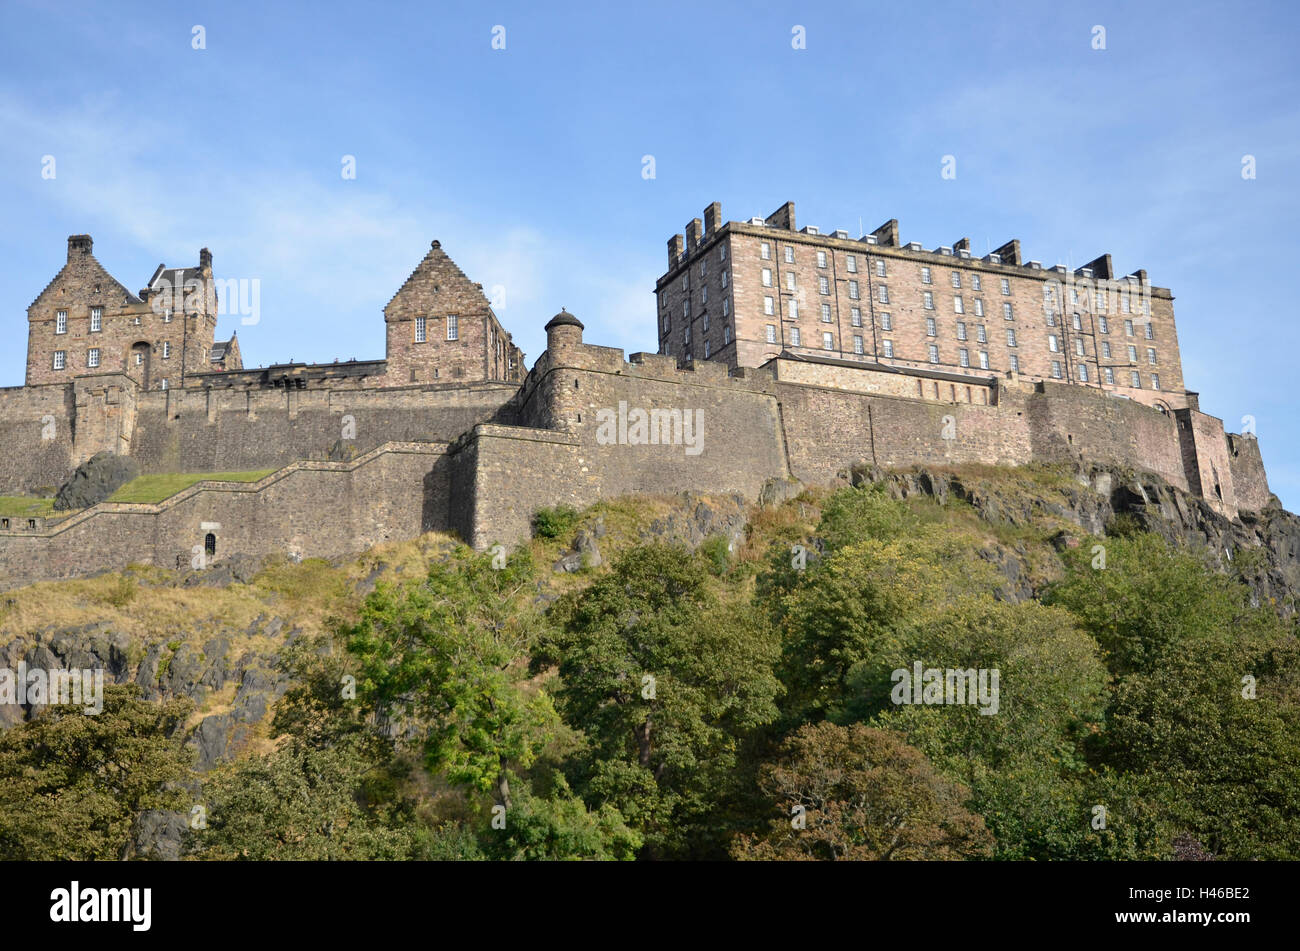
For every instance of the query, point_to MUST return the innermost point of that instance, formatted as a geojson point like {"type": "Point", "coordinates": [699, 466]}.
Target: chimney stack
{"type": "Point", "coordinates": [783, 217]}
{"type": "Point", "coordinates": [887, 234]}
{"type": "Point", "coordinates": [1009, 253]}
{"type": "Point", "coordinates": [205, 259]}
{"type": "Point", "coordinates": [79, 244]}
{"type": "Point", "coordinates": [675, 246]}
{"type": "Point", "coordinates": [713, 218]}
{"type": "Point", "coordinates": [692, 235]}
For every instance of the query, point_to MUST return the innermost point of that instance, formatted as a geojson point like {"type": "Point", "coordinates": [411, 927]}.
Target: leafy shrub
{"type": "Point", "coordinates": [554, 522]}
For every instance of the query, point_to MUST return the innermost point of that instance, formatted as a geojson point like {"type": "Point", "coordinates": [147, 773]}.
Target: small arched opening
{"type": "Point", "coordinates": [210, 545]}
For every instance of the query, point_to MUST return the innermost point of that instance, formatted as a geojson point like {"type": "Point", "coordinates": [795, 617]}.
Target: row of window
{"type": "Point", "coordinates": [97, 320]}
{"type": "Point", "coordinates": [422, 328]}
{"type": "Point", "coordinates": [92, 356]}
{"type": "Point", "coordinates": [1100, 300]}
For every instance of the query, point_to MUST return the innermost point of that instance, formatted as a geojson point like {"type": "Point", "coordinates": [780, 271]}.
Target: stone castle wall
{"type": "Point", "coordinates": [480, 460]}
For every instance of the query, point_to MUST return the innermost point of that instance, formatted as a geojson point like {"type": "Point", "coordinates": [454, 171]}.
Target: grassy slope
{"type": "Point", "coordinates": [155, 488]}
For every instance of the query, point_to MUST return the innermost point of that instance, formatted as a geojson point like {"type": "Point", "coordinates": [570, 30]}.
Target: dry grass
{"type": "Point", "coordinates": [160, 486]}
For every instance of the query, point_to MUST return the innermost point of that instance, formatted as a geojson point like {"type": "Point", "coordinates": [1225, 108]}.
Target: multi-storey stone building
{"type": "Point", "coordinates": [745, 293]}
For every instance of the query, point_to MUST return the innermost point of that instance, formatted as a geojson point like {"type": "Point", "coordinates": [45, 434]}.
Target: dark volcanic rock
{"type": "Point", "coordinates": [95, 480]}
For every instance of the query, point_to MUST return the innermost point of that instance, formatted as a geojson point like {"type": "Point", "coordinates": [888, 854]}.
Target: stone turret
{"type": "Point", "coordinates": [563, 331]}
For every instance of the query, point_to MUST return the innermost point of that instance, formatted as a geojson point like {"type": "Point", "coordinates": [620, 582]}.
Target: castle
{"type": "Point", "coordinates": [784, 355]}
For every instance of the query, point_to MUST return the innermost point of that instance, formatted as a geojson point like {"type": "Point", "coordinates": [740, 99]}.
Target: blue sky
{"type": "Point", "coordinates": [527, 162]}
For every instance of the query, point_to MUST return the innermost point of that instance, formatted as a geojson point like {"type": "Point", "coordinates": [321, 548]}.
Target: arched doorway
{"type": "Point", "coordinates": [137, 366]}
{"type": "Point", "coordinates": [210, 545]}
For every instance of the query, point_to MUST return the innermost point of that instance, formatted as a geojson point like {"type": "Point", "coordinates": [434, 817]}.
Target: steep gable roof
{"type": "Point", "coordinates": [438, 275]}
{"type": "Point", "coordinates": [98, 270]}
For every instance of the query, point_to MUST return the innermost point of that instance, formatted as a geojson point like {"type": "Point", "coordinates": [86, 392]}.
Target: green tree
{"type": "Point", "coordinates": [446, 658]}
{"type": "Point", "coordinates": [72, 786]}
{"type": "Point", "coordinates": [665, 681]}
{"type": "Point", "coordinates": [861, 794]}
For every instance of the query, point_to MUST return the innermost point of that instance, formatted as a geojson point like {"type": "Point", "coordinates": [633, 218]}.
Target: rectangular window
{"type": "Point", "coordinates": [768, 306]}
{"type": "Point", "coordinates": [61, 322]}
{"type": "Point", "coordinates": [821, 258]}
{"type": "Point", "coordinates": [1136, 379]}
{"type": "Point", "coordinates": [979, 307]}
{"type": "Point", "coordinates": [686, 307]}
{"type": "Point", "coordinates": [883, 296]}
{"type": "Point", "coordinates": [961, 330]}
{"type": "Point", "coordinates": [929, 327]}
{"type": "Point", "coordinates": [1074, 296]}
{"type": "Point", "coordinates": [704, 296]}
{"type": "Point", "coordinates": [1109, 374]}
{"type": "Point", "coordinates": [851, 263]}
{"type": "Point", "coordinates": [958, 306]}
{"type": "Point", "coordinates": [1124, 301]}
{"type": "Point", "coordinates": [704, 267]}
{"type": "Point", "coordinates": [826, 313]}
{"type": "Point", "coordinates": [963, 357]}
{"type": "Point", "coordinates": [1083, 373]}
{"type": "Point", "coordinates": [1078, 322]}
{"type": "Point", "coordinates": [1051, 320]}
{"type": "Point", "coordinates": [981, 334]}
{"type": "Point", "coordinates": [706, 321]}
{"type": "Point", "coordinates": [723, 250]}
{"type": "Point", "coordinates": [96, 319]}
{"type": "Point", "coordinates": [1155, 381]}
{"type": "Point", "coordinates": [1006, 286]}
{"type": "Point", "coordinates": [420, 330]}
{"type": "Point", "coordinates": [857, 343]}
{"type": "Point", "coordinates": [60, 359]}
{"type": "Point", "coordinates": [823, 285]}
{"type": "Point", "coordinates": [956, 278]}
{"type": "Point", "coordinates": [1056, 369]}
{"type": "Point", "coordinates": [925, 275]}
{"type": "Point", "coordinates": [706, 349]}
{"type": "Point", "coordinates": [794, 336]}
{"type": "Point", "coordinates": [167, 350]}
{"type": "Point", "coordinates": [1132, 354]}
{"type": "Point", "coordinates": [929, 300]}
{"type": "Point", "coordinates": [1078, 346]}
{"type": "Point", "coordinates": [855, 317]}
{"type": "Point", "coordinates": [828, 341]}
{"type": "Point", "coordinates": [853, 290]}
{"type": "Point", "coordinates": [1105, 349]}
{"type": "Point", "coordinates": [880, 267]}
{"type": "Point", "coordinates": [726, 279]}
{"type": "Point", "coordinates": [767, 277]}
{"type": "Point", "coordinates": [726, 307]}
{"type": "Point", "coordinates": [765, 251]}
{"type": "Point", "coordinates": [934, 354]}
{"type": "Point", "coordinates": [794, 310]}
{"type": "Point", "coordinates": [984, 359]}
{"type": "Point", "coordinates": [1053, 343]}
{"type": "Point", "coordinates": [886, 321]}
{"type": "Point", "coordinates": [92, 357]}
{"type": "Point", "coordinates": [789, 280]}
{"type": "Point", "coordinates": [167, 316]}
{"type": "Point", "coordinates": [453, 326]}
{"type": "Point", "coordinates": [1150, 334]}
{"type": "Point", "coordinates": [1102, 325]}
{"type": "Point", "coordinates": [1011, 337]}
{"type": "Point", "coordinates": [1151, 355]}
{"type": "Point", "coordinates": [975, 283]}
{"type": "Point", "coordinates": [1099, 299]}
{"type": "Point", "coordinates": [771, 333]}
{"type": "Point", "coordinates": [789, 254]}
{"type": "Point", "coordinates": [726, 334]}
{"type": "Point", "coordinates": [888, 347]}
{"type": "Point", "coordinates": [1006, 309]}
{"type": "Point", "coordinates": [1128, 328]}
{"type": "Point", "coordinates": [1015, 363]}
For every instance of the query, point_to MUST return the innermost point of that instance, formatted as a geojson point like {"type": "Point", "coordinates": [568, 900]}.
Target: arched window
{"type": "Point", "coordinates": [210, 545]}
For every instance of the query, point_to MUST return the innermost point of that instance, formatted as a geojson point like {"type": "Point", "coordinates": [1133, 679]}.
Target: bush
{"type": "Point", "coordinates": [554, 522]}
